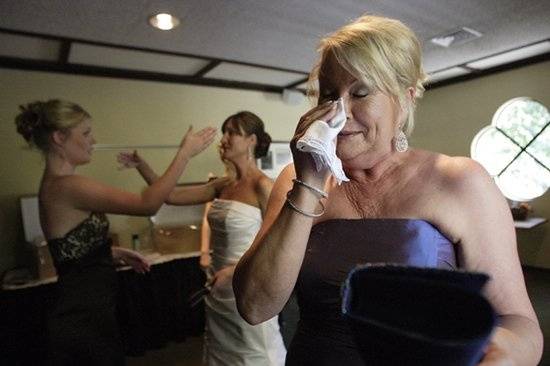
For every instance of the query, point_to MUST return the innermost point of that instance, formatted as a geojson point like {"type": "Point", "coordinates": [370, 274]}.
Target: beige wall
{"type": "Point", "coordinates": [138, 112]}
{"type": "Point", "coordinates": [124, 112]}
{"type": "Point", "coordinates": [449, 117]}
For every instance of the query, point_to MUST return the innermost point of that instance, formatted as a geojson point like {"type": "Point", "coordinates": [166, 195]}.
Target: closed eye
{"type": "Point", "coordinates": [360, 93]}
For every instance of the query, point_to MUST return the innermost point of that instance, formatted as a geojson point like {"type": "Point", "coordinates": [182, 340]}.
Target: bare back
{"type": "Point", "coordinates": [57, 214]}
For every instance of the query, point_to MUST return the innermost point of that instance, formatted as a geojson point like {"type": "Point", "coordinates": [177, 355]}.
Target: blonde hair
{"type": "Point", "coordinates": [381, 52]}
{"type": "Point", "coordinates": [36, 121]}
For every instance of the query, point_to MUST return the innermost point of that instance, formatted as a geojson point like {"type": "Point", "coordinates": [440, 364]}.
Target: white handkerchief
{"type": "Point", "coordinates": [320, 141]}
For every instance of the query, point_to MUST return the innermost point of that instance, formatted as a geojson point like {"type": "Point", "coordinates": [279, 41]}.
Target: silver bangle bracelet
{"type": "Point", "coordinates": [299, 210]}
{"type": "Point", "coordinates": [311, 188]}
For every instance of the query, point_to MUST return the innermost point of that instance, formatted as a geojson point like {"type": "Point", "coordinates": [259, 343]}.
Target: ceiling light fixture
{"type": "Point", "coordinates": [456, 37]}
{"type": "Point", "coordinates": [164, 21]}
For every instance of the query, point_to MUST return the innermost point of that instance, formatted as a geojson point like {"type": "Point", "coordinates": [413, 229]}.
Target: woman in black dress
{"type": "Point", "coordinates": [82, 325]}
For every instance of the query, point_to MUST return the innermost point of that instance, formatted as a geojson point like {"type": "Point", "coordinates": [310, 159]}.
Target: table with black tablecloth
{"type": "Point", "coordinates": [153, 309]}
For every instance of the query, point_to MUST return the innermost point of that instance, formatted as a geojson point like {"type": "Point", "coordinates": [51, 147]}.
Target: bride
{"type": "Point", "coordinates": [234, 217]}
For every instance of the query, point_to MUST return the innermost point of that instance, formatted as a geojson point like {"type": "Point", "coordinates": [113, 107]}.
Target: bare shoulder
{"type": "Point", "coordinates": [287, 174]}
{"type": "Point", "coordinates": [277, 196]}
{"type": "Point", "coordinates": [459, 175]}
{"type": "Point", "coordinates": [65, 186]}
{"type": "Point", "coordinates": [449, 173]}
{"type": "Point", "coordinates": [264, 182]}
{"type": "Point", "coordinates": [282, 184]}
{"type": "Point", "coordinates": [465, 196]}
{"type": "Point", "coordinates": [262, 187]}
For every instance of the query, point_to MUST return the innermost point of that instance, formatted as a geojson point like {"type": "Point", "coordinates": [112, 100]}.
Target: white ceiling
{"type": "Point", "coordinates": [244, 34]}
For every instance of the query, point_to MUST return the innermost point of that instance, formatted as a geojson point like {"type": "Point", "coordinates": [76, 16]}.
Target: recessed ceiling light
{"type": "Point", "coordinates": [164, 21]}
{"type": "Point", "coordinates": [456, 37]}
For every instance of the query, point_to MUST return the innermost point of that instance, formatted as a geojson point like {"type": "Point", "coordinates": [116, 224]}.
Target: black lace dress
{"type": "Point", "coordinates": [83, 327]}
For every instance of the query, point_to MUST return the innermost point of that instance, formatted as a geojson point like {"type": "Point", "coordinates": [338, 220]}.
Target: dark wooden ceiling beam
{"type": "Point", "coordinates": [211, 65]}
{"type": "Point", "coordinates": [64, 52]}
{"type": "Point", "coordinates": [25, 64]}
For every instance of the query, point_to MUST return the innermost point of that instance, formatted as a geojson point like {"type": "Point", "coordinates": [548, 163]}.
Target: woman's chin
{"type": "Point", "coordinates": [348, 153]}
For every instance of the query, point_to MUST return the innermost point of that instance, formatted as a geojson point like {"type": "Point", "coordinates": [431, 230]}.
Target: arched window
{"type": "Point", "coordinates": [515, 149]}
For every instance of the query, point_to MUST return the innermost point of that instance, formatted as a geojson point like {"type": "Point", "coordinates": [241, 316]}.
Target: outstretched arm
{"type": "Point", "coordinates": [134, 160]}
{"type": "Point", "coordinates": [202, 193]}
{"type": "Point", "coordinates": [179, 196]}
{"type": "Point", "coordinates": [89, 195]}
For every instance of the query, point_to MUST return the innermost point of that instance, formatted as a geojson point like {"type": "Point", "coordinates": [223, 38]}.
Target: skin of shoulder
{"type": "Point", "coordinates": [277, 197]}
{"type": "Point", "coordinates": [62, 189]}
{"type": "Point", "coordinates": [263, 188]}
{"type": "Point", "coordinates": [450, 189]}
{"type": "Point", "coordinates": [463, 190]}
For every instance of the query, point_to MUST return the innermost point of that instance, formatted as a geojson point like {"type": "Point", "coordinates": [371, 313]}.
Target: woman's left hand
{"type": "Point", "coordinates": [221, 283]}
{"type": "Point", "coordinates": [137, 261]}
{"type": "Point", "coordinates": [129, 160]}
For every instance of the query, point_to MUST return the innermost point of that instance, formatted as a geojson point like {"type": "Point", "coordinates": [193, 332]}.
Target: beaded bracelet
{"type": "Point", "coordinates": [311, 188]}
{"type": "Point", "coordinates": [299, 210]}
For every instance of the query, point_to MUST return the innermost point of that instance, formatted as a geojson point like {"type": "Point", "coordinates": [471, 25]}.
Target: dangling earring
{"type": "Point", "coordinates": [250, 155]}
{"type": "Point", "coordinates": [400, 142]}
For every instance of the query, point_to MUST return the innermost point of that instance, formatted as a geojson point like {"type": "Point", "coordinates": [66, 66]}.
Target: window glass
{"type": "Point", "coordinates": [493, 150]}
{"type": "Point", "coordinates": [515, 149]}
{"type": "Point", "coordinates": [540, 148]}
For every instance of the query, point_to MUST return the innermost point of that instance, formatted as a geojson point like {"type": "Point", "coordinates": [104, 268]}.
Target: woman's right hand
{"type": "Point", "coordinates": [304, 164]}
{"type": "Point", "coordinates": [194, 143]}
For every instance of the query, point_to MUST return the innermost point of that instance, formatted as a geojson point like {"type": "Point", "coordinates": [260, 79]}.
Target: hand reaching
{"type": "Point", "coordinates": [129, 160]}
{"type": "Point", "coordinates": [221, 284]}
{"type": "Point", "coordinates": [138, 262]}
{"type": "Point", "coordinates": [194, 143]}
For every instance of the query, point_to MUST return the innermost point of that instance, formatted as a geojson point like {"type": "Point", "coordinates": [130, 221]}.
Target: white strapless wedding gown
{"type": "Point", "coordinates": [229, 340]}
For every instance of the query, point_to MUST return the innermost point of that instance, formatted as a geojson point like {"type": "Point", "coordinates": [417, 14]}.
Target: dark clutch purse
{"type": "Point", "coordinates": [403, 315]}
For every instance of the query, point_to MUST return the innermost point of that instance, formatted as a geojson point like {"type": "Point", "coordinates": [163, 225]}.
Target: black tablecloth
{"type": "Point", "coordinates": [153, 309]}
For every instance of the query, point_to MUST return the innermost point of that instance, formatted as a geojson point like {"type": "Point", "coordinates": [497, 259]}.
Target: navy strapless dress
{"type": "Point", "coordinates": [335, 247]}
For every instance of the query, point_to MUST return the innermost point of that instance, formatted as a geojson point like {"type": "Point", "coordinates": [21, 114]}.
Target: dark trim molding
{"type": "Point", "coordinates": [64, 52]}
{"type": "Point", "coordinates": [24, 64]}
{"type": "Point", "coordinates": [63, 66]}
{"type": "Point", "coordinates": [494, 70]}
{"type": "Point", "coordinates": [144, 49]}
{"type": "Point", "coordinates": [296, 83]}
{"type": "Point", "coordinates": [207, 68]}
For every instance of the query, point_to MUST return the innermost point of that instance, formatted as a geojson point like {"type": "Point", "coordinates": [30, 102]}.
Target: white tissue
{"type": "Point", "coordinates": [320, 141]}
